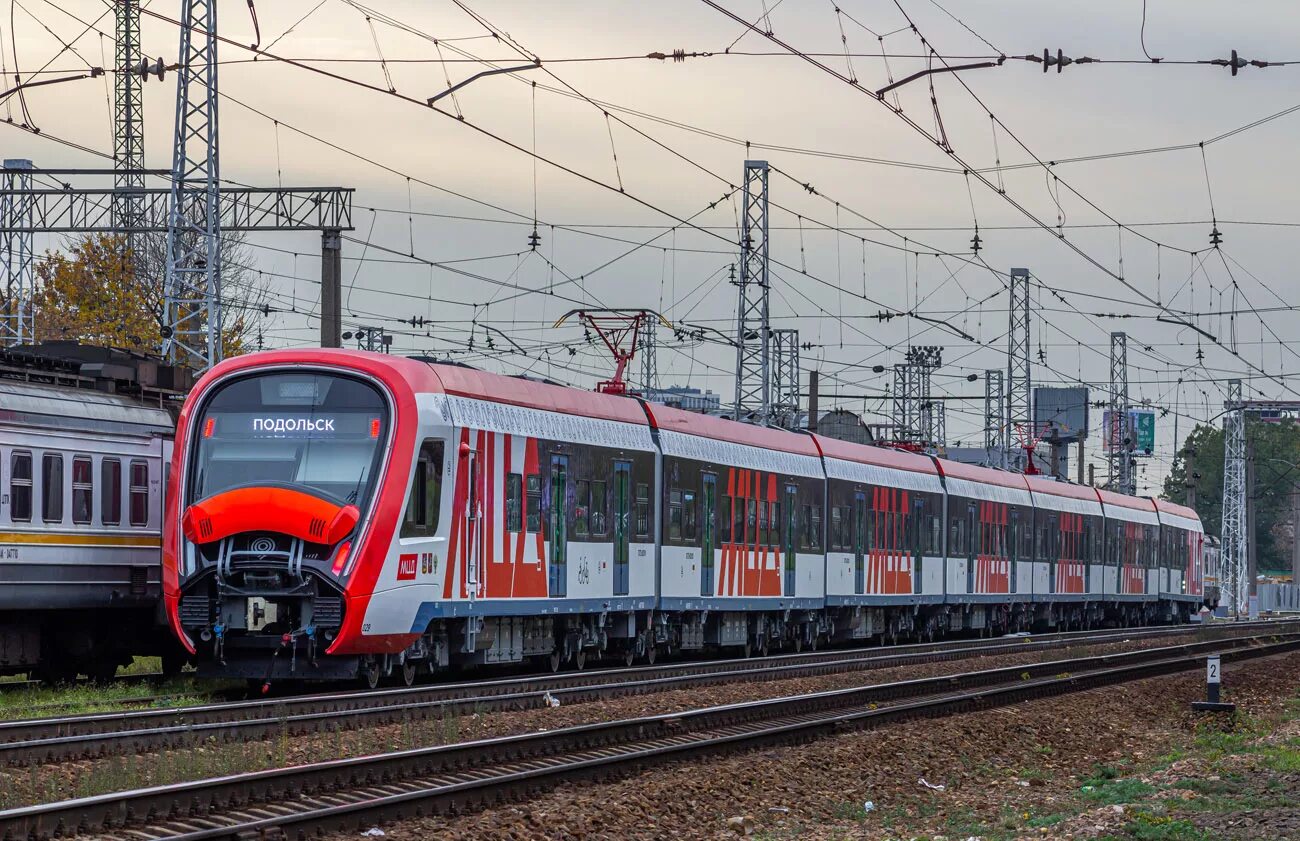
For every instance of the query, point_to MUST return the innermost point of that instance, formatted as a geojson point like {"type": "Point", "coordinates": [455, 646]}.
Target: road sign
{"type": "Point", "coordinates": [1141, 431]}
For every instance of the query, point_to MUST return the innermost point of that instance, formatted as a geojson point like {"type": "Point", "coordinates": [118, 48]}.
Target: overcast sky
{"type": "Point", "coordinates": [678, 131]}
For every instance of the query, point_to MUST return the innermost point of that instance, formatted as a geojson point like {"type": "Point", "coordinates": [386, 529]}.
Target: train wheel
{"type": "Point", "coordinates": [580, 659]}
{"type": "Point", "coordinates": [408, 672]}
{"type": "Point", "coordinates": [798, 642]}
{"type": "Point", "coordinates": [370, 675]}
{"type": "Point", "coordinates": [651, 654]}
{"type": "Point", "coordinates": [555, 660]}
{"type": "Point", "coordinates": [629, 655]}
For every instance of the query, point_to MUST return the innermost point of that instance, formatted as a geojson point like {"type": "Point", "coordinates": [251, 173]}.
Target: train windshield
{"type": "Point", "coordinates": [317, 430]}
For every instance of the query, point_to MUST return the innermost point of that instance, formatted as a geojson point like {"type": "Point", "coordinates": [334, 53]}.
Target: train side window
{"type": "Point", "coordinates": [599, 521]}
{"type": "Point", "coordinates": [762, 524]}
{"type": "Point", "coordinates": [774, 523]}
{"type": "Point", "coordinates": [514, 502]}
{"type": "Point", "coordinates": [674, 514]}
{"type": "Point", "coordinates": [690, 517]}
{"type": "Point", "coordinates": [642, 510]}
{"type": "Point", "coordinates": [52, 488]}
{"type": "Point", "coordinates": [837, 522]}
{"type": "Point", "coordinates": [581, 507]}
{"type": "Point", "coordinates": [83, 490]}
{"type": "Point", "coordinates": [421, 518]}
{"type": "Point", "coordinates": [724, 519]}
{"type": "Point", "coordinates": [139, 493]}
{"type": "Point", "coordinates": [20, 487]}
{"type": "Point", "coordinates": [110, 492]}
{"type": "Point", "coordinates": [533, 502]}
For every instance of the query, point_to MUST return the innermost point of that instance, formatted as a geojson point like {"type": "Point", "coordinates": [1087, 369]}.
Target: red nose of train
{"type": "Point", "coordinates": [283, 510]}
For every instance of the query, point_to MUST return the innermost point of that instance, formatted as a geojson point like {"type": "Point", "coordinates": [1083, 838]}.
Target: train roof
{"type": "Point", "coordinates": [1178, 515]}
{"type": "Point", "coordinates": [875, 456]}
{"type": "Point", "coordinates": [668, 419]}
{"type": "Point", "coordinates": [59, 407]}
{"type": "Point", "coordinates": [533, 394]}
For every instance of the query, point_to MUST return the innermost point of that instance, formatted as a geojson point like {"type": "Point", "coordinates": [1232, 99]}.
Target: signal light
{"type": "Point", "coordinates": [374, 427]}
{"type": "Point", "coordinates": [208, 426]}
{"type": "Point", "coordinates": [341, 559]}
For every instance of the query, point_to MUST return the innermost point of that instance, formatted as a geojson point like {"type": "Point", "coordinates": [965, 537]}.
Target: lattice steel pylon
{"type": "Point", "coordinates": [785, 378]}
{"type": "Point", "coordinates": [649, 360]}
{"type": "Point", "coordinates": [995, 451]}
{"type": "Point", "coordinates": [753, 381]}
{"type": "Point", "coordinates": [1233, 534]}
{"type": "Point", "coordinates": [17, 320]}
{"type": "Point", "coordinates": [1120, 460]}
{"type": "Point", "coordinates": [128, 115]}
{"type": "Point", "coordinates": [192, 335]}
{"type": "Point", "coordinates": [1019, 410]}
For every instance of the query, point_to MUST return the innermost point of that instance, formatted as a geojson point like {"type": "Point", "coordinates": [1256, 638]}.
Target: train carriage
{"type": "Point", "coordinates": [1071, 568]}
{"type": "Point", "coordinates": [81, 490]}
{"type": "Point", "coordinates": [884, 553]}
{"type": "Point", "coordinates": [743, 530]}
{"type": "Point", "coordinates": [341, 512]}
{"type": "Point", "coordinates": [1182, 555]}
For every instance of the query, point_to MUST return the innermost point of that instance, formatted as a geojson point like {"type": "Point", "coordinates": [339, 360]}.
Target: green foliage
{"type": "Point", "coordinates": [1109, 792]}
{"type": "Point", "coordinates": [1277, 470]}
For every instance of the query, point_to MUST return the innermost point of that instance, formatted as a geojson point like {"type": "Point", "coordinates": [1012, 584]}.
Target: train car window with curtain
{"type": "Point", "coordinates": [110, 492]}
{"type": "Point", "coordinates": [83, 490]}
{"type": "Point", "coordinates": [20, 487]}
{"type": "Point", "coordinates": [139, 491]}
{"type": "Point", "coordinates": [52, 488]}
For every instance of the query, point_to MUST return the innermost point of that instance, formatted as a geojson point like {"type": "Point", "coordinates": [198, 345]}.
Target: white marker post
{"type": "Point", "coordinates": [1213, 679]}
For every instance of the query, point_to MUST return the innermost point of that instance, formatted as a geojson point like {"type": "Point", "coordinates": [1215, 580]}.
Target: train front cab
{"type": "Point", "coordinates": [280, 468]}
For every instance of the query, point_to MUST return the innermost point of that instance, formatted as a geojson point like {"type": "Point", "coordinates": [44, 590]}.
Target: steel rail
{"type": "Point", "coordinates": [340, 794]}
{"type": "Point", "coordinates": [33, 741]}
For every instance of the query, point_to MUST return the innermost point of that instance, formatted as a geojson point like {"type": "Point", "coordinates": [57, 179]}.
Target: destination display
{"type": "Point", "coordinates": [292, 425]}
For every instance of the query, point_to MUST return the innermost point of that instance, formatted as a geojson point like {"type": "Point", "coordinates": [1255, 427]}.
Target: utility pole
{"type": "Point", "coordinates": [16, 318]}
{"type": "Point", "coordinates": [1019, 412]}
{"type": "Point", "coordinates": [995, 453]}
{"type": "Point", "coordinates": [192, 335]}
{"type": "Point", "coordinates": [1252, 545]}
{"type": "Point", "coordinates": [814, 403]}
{"type": "Point", "coordinates": [649, 362]}
{"type": "Point", "coordinates": [1120, 476]}
{"type": "Point", "coordinates": [753, 381]}
{"type": "Point", "coordinates": [128, 121]}
{"type": "Point", "coordinates": [1233, 534]}
{"type": "Point", "coordinates": [1295, 533]}
{"type": "Point", "coordinates": [784, 354]}
{"type": "Point", "coordinates": [331, 288]}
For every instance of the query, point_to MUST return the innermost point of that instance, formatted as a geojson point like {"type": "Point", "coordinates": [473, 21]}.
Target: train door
{"type": "Point", "coordinates": [709, 494]}
{"type": "Point", "coordinates": [788, 548]}
{"type": "Point", "coordinates": [972, 544]}
{"type": "Point", "coordinates": [918, 522]}
{"type": "Point", "coordinates": [859, 542]}
{"type": "Point", "coordinates": [558, 578]}
{"type": "Point", "coordinates": [622, 511]}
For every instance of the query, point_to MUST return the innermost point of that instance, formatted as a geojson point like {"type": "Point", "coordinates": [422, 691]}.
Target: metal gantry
{"type": "Point", "coordinates": [1019, 386]}
{"type": "Point", "coordinates": [17, 320]}
{"type": "Point", "coordinates": [916, 418]}
{"type": "Point", "coordinates": [995, 451]}
{"type": "Point", "coordinates": [753, 381]}
{"type": "Point", "coordinates": [784, 354]}
{"type": "Point", "coordinates": [128, 121]}
{"type": "Point", "coordinates": [192, 279]}
{"type": "Point", "coordinates": [1232, 533]}
{"type": "Point", "coordinates": [1120, 475]}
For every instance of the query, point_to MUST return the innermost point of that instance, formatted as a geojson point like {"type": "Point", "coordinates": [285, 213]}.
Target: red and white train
{"type": "Point", "coordinates": [336, 513]}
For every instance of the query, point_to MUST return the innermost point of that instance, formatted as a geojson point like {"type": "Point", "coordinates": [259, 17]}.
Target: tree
{"type": "Point", "coordinates": [1276, 448]}
{"type": "Point", "coordinates": [99, 293]}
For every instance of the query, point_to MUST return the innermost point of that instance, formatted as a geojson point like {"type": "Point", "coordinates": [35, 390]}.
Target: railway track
{"type": "Point", "coordinates": [32, 741]}
{"type": "Point", "coordinates": [350, 793]}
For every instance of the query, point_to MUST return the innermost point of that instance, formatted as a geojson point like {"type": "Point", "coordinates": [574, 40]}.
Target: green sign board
{"type": "Point", "coordinates": [1144, 430]}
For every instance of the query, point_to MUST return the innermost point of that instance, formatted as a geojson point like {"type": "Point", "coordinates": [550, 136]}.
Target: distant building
{"type": "Point", "coordinates": [684, 397]}
{"type": "Point", "coordinates": [844, 425]}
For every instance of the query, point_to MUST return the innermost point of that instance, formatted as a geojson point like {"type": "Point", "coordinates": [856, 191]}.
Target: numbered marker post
{"type": "Point", "coordinates": [1213, 681]}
